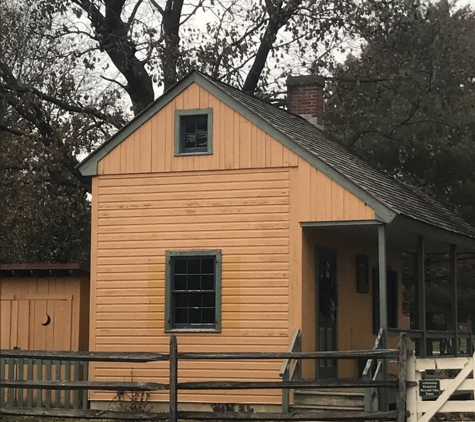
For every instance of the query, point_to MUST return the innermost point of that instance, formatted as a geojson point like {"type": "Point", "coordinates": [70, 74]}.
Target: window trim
{"type": "Point", "coordinates": [178, 124]}
{"type": "Point", "coordinates": [217, 253]}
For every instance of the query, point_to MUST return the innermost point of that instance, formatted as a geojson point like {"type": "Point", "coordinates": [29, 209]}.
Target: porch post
{"type": "Point", "coordinates": [383, 285]}
{"type": "Point", "coordinates": [453, 295]}
{"type": "Point", "coordinates": [421, 293]}
{"type": "Point", "coordinates": [383, 309]}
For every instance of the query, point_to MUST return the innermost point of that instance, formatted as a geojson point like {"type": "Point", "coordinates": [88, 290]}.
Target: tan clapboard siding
{"type": "Point", "coordinates": [244, 213]}
{"type": "Point", "coordinates": [237, 143]}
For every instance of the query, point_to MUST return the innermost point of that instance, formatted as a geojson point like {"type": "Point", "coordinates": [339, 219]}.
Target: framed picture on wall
{"type": "Point", "coordinates": [362, 274]}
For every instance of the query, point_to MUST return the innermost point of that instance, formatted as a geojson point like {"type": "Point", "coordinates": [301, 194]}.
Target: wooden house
{"type": "Point", "coordinates": [231, 223]}
{"type": "Point", "coordinates": [44, 306]}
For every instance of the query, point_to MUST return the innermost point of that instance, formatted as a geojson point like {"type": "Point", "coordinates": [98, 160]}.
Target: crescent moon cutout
{"type": "Point", "coordinates": [47, 322]}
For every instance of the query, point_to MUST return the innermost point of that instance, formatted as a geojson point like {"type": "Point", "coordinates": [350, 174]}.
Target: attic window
{"type": "Point", "coordinates": [193, 132]}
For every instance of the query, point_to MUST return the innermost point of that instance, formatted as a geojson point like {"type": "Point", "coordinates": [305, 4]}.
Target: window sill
{"type": "Point", "coordinates": [184, 154]}
{"type": "Point", "coordinates": [193, 330]}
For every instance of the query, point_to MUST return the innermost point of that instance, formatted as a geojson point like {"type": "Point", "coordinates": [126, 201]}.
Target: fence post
{"type": "Point", "coordinates": [3, 365]}
{"type": "Point", "coordinates": [285, 394]}
{"type": "Point", "coordinates": [173, 379]}
{"type": "Point", "coordinates": [401, 374]}
{"type": "Point", "coordinates": [11, 377]}
{"type": "Point", "coordinates": [411, 393]}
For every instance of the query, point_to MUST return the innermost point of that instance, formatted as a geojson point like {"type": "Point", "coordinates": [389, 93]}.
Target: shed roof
{"type": "Point", "coordinates": [42, 269]}
{"type": "Point", "coordinates": [387, 195]}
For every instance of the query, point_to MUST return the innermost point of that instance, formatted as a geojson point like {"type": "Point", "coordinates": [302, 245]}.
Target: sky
{"type": "Point", "coordinates": [462, 3]}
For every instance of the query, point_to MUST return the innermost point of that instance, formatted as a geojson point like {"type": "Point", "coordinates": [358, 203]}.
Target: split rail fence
{"type": "Point", "coordinates": [22, 387]}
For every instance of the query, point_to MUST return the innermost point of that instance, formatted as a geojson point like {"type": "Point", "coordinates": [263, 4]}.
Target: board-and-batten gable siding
{"type": "Point", "coordinates": [237, 143]}
{"type": "Point", "coordinates": [322, 199]}
{"type": "Point", "coordinates": [244, 213]}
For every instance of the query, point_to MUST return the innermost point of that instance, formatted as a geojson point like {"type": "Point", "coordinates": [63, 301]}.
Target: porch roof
{"type": "Point", "coordinates": [401, 234]}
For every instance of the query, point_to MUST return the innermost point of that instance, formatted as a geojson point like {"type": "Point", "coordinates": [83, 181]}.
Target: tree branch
{"type": "Point", "coordinates": [11, 130]}
{"type": "Point", "coordinates": [134, 12]}
{"type": "Point", "coordinates": [158, 7]}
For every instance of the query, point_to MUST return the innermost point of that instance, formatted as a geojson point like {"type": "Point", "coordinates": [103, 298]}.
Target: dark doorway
{"type": "Point", "coordinates": [327, 312]}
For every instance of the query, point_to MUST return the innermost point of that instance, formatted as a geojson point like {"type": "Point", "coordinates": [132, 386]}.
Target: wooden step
{"type": "Point", "coordinates": [351, 391]}
{"type": "Point", "coordinates": [317, 407]}
{"type": "Point", "coordinates": [344, 400]}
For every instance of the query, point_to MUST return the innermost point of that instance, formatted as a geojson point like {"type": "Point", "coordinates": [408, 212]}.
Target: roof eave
{"type": "Point", "coordinates": [465, 242]}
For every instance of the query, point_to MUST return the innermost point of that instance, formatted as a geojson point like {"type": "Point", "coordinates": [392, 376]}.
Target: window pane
{"type": "Point", "coordinates": [180, 282]}
{"type": "Point", "coordinates": [179, 266]}
{"type": "Point", "coordinates": [207, 265]}
{"type": "Point", "coordinates": [190, 140]}
{"type": "Point", "coordinates": [189, 125]}
{"type": "Point", "coordinates": [201, 139]}
{"type": "Point", "coordinates": [181, 316]}
{"type": "Point", "coordinates": [194, 282]}
{"type": "Point", "coordinates": [195, 300]}
{"type": "Point", "coordinates": [181, 300]}
{"type": "Point", "coordinates": [202, 123]}
{"type": "Point", "coordinates": [194, 265]}
{"type": "Point", "coordinates": [207, 282]}
{"type": "Point", "coordinates": [208, 316]}
{"type": "Point", "coordinates": [208, 300]}
{"type": "Point", "coordinates": [194, 316]}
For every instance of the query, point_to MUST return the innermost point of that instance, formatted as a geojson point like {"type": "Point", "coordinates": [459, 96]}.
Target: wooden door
{"type": "Point", "coordinates": [36, 323]}
{"type": "Point", "coordinates": [8, 322]}
{"type": "Point", "coordinates": [327, 312]}
{"type": "Point", "coordinates": [50, 323]}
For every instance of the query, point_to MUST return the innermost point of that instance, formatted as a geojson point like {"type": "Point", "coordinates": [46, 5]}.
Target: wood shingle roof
{"type": "Point", "coordinates": [401, 198]}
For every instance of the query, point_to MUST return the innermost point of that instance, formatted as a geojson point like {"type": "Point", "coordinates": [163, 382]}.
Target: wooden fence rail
{"type": "Point", "coordinates": [63, 386]}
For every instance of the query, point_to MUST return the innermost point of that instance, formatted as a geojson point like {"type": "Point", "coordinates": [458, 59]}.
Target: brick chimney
{"type": "Point", "coordinates": [305, 97]}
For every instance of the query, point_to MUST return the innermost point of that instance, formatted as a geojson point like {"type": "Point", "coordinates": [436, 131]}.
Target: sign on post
{"type": "Point", "coordinates": [429, 389]}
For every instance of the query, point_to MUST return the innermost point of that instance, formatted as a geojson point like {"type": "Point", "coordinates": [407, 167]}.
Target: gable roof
{"type": "Point", "coordinates": [386, 195]}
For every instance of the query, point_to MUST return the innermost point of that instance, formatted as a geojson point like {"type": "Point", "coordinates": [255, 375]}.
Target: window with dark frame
{"type": "Point", "coordinates": [194, 133]}
{"type": "Point", "coordinates": [193, 288]}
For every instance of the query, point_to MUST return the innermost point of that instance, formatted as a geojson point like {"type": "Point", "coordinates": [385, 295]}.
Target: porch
{"type": "Point", "coordinates": [368, 283]}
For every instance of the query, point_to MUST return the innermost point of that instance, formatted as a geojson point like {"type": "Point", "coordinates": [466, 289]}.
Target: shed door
{"type": "Point", "coordinates": [36, 323]}
{"type": "Point", "coordinates": [327, 312]}
{"type": "Point", "coordinates": [8, 314]}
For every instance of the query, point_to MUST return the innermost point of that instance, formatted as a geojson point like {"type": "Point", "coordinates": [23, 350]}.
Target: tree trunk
{"type": "Point", "coordinates": [112, 35]}
{"type": "Point", "coordinates": [170, 31]}
{"type": "Point", "coordinates": [278, 17]}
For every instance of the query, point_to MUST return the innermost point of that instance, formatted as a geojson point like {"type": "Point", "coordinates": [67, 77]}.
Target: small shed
{"type": "Point", "coordinates": [44, 306]}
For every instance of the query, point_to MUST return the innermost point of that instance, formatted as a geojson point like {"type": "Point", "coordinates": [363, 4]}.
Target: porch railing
{"type": "Point", "coordinates": [291, 369]}
{"type": "Point", "coordinates": [373, 372]}
{"type": "Point", "coordinates": [438, 343]}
